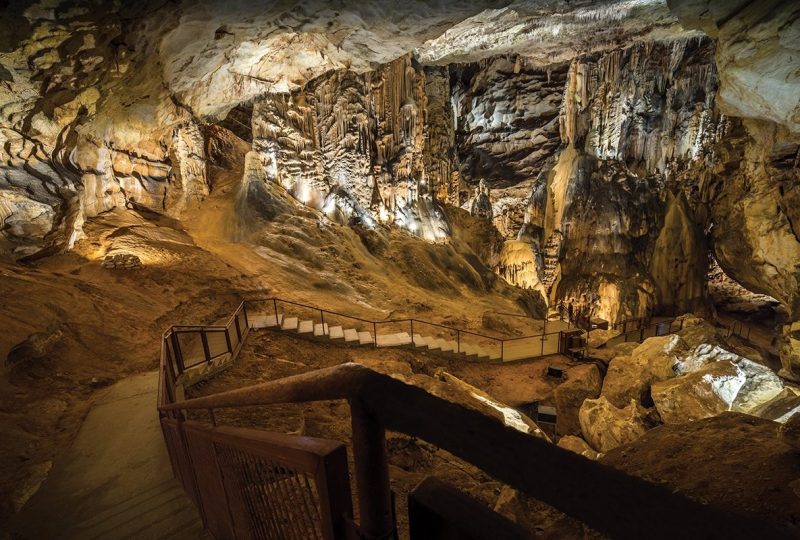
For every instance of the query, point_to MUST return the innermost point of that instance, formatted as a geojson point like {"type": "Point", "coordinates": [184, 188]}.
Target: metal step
{"type": "Point", "coordinates": [394, 340]}
{"type": "Point", "coordinates": [305, 327]}
{"type": "Point", "coordinates": [335, 332]}
{"type": "Point", "coordinates": [320, 330]}
{"type": "Point", "coordinates": [262, 320]}
{"type": "Point", "coordinates": [290, 323]}
{"type": "Point", "coordinates": [365, 338]}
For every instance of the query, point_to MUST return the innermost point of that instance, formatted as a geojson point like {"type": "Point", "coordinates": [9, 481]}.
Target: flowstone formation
{"type": "Point", "coordinates": [617, 146]}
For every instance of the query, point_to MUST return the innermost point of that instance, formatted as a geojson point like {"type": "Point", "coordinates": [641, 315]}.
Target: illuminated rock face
{"type": "Point", "coordinates": [723, 385]}
{"type": "Point", "coordinates": [353, 146]}
{"type": "Point", "coordinates": [605, 426]}
{"type": "Point", "coordinates": [619, 160]}
{"type": "Point", "coordinates": [611, 210]}
{"type": "Point", "coordinates": [757, 47]}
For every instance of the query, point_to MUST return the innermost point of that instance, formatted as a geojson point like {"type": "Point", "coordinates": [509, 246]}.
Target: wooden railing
{"type": "Point", "coordinates": [608, 500]}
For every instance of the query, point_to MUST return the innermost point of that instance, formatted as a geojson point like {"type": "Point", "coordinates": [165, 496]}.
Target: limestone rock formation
{"type": "Point", "coordinates": [622, 147]}
{"type": "Point", "coordinates": [630, 377]}
{"type": "Point", "coordinates": [780, 408]}
{"type": "Point", "coordinates": [725, 385]}
{"type": "Point", "coordinates": [756, 47]}
{"type": "Point", "coordinates": [578, 445]}
{"type": "Point", "coordinates": [583, 382]}
{"type": "Point", "coordinates": [605, 426]}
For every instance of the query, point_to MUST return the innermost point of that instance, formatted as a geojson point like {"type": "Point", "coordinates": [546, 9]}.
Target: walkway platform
{"type": "Point", "coordinates": [115, 482]}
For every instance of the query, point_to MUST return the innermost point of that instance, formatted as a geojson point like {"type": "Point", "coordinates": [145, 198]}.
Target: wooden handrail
{"type": "Point", "coordinates": [609, 500]}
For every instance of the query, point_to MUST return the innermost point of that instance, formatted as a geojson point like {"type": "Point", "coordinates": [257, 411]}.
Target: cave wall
{"type": "Point", "coordinates": [610, 170]}
{"type": "Point", "coordinates": [609, 218]}
{"type": "Point", "coordinates": [357, 147]}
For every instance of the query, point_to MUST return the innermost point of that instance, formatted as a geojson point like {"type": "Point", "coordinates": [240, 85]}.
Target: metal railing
{"type": "Point", "coordinates": [737, 328]}
{"type": "Point", "coordinates": [606, 499]}
{"type": "Point", "coordinates": [247, 483]}
{"type": "Point", "coordinates": [499, 348]}
{"type": "Point", "coordinates": [644, 331]}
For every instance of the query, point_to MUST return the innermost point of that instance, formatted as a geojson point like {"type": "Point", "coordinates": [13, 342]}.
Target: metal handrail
{"type": "Point", "coordinates": [389, 321]}
{"type": "Point", "coordinates": [608, 500]}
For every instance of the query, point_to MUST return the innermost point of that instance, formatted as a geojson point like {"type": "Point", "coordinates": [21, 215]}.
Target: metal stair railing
{"type": "Point", "coordinates": [540, 344]}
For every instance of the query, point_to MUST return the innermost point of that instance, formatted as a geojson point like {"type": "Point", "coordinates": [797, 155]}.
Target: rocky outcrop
{"type": "Point", "coordinates": [583, 382]}
{"type": "Point", "coordinates": [679, 251]}
{"type": "Point", "coordinates": [780, 408]}
{"type": "Point", "coordinates": [352, 146]}
{"type": "Point", "coordinates": [724, 385]}
{"type": "Point", "coordinates": [605, 426]}
{"type": "Point", "coordinates": [629, 378]}
{"type": "Point", "coordinates": [578, 445]}
{"type": "Point", "coordinates": [756, 54]}
{"type": "Point", "coordinates": [633, 121]}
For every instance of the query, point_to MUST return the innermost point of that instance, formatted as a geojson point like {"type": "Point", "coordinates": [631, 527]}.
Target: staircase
{"type": "Point", "coordinates": [352, 336]}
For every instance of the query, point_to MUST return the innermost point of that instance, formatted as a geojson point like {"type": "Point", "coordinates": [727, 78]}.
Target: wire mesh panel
{"type": "Point", "coordinates": [256, 484]}
{"type": "Point", "coordinates": [217, 343]}
{"type": "Point", "coordinates": [282, 503]}
{"type": "Point", "coordinates": [179, 457]}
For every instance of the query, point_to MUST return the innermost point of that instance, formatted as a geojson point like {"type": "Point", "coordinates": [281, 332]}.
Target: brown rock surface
{"type": "Point", "coordinates": [733, 460]}
{"type": "Point", "coordinates": [605, 426]}
{"type": "Point", "coordinates": [583, 382]}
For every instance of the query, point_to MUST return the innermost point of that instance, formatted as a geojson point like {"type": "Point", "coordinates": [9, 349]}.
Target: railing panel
{"type": "Point", "coordinates": [255, 484]}
{"type": "Point", "coordinates": [191, 348]}
{"type": "Point", "coordinates": [180, 457]}
{"type": "Point", "coordinates": [210, 487]}
{"type": "Point", "coordinates": [217, 343]}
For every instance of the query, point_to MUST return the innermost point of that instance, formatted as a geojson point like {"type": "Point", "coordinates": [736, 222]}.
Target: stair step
{"type": "Point", "coordinates": [365, 338]}
{"type": "Point", "coordinates": [393, 340]}
{"type": "Point", "coordinates": [321, 329]}
{"type": "Point", "coordinates": [434, 344]}
{"type": "Point", "coordinates": [262, 320]}
{"type": "Point", "coordinates": [305, 327]}
{"type": "Point", "coordinates": [335, 332]}
{"type": "Point", "coordinates": [420, 340]}
{"type": "Point", "coordinates": [447, 345]}
{"type": "Point", "coordinates": [350, 335]}
{"type": "Point", "coordinates": [289, 323]}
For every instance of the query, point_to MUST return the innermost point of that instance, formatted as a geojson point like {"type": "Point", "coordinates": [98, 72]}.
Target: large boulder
{"type": "Point", "coordinates": [726, 385]}
{"type": "Point", "coordinates": [696, 331]}
{"type": "Point", "coordinates": [583, 382]}
{"type": "Point", "coordinates": [781, 408]}
{"type": "Point", "coordinates": [578, 445]}
{"type": "Point", "coordinates": [701, 356]}
{"type": "Point", "coordinates": [605, 426]}
{"type": "Point", "coordinates": [790, 352]}
{"type": "Point", "coordinates": [630, 377]}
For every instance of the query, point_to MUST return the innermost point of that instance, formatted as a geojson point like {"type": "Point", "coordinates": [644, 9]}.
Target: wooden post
{"type": "Point", "coordinates": [204, 339]}
{"type": "Point", "coordinates": [372, 475]}
{"type": "Point", "coordinates": [176, 347]}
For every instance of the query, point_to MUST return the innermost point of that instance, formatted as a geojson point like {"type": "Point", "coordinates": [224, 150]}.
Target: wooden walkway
{"type": "Point", "coordinates": [115, 482]}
